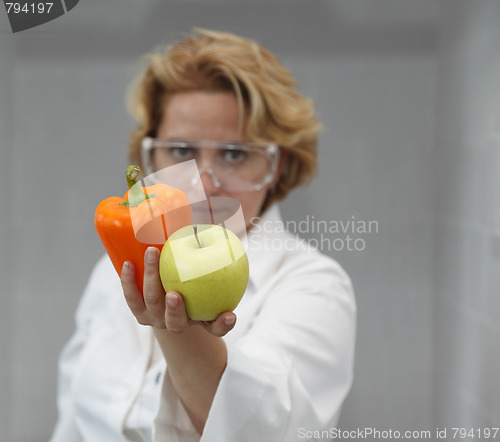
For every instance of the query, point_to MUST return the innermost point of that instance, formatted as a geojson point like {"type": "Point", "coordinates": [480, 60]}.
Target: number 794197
{"type": "Point", "coordinates": [25, 8]}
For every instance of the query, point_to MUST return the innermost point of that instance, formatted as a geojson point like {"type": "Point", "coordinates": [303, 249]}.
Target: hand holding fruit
{"type": "Point", "coordinates": [162, 310]}
{"type": "Point", "coordinates": [210, 269]}
{"type": "Point", "coordinates": [207, 264]}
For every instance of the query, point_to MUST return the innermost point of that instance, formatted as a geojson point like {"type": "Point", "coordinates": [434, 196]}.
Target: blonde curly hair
{"type": "Point", "coordinates": [223, 62]}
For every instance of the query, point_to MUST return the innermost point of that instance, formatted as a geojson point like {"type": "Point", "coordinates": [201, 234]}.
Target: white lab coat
{"type": "Point", "coordinates": [290, 356]}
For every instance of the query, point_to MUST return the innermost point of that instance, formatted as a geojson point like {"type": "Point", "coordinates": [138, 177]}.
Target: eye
{"type": "Point", "coordinates": [234, 156]}
{"type": "Point", "coordinates": [181, 153]}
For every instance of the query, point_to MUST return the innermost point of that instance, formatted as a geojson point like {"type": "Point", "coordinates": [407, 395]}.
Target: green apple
{"type": "Point", "coordinates": [208, 266]}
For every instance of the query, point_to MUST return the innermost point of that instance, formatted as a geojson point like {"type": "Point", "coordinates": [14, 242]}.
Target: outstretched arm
{"type": "Point", "coordinates": [195, 353]}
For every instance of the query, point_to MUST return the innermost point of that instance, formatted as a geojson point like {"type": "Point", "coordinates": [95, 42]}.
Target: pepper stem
{"type": "Point", "coordinates": [195, 228]}
{"type": "Point", "coordinates": [135, 193]}
{"type": "Point", "coordinates": [131, 174]}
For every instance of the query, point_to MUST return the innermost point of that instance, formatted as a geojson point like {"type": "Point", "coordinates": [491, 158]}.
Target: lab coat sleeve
{"type": "Point", "coordinates": [173, 423]}
{"type": "Point", "coordinates": [291, 372]}
{"type": "Point", "coordinates": [90, 305]}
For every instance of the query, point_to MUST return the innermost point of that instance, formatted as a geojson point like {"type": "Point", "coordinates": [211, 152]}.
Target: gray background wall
{"type": "Point", "coordinates": [409, 95]}
{"type": "Point", "coordinates": [467, 214]}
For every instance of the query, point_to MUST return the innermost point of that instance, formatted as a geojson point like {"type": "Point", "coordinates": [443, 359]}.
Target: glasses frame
{"type": "Point", "coordinates": [272, 151]}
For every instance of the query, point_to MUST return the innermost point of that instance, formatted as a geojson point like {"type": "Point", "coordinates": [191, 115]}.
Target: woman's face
{"type": "Point", "coordinates": [209, 116]}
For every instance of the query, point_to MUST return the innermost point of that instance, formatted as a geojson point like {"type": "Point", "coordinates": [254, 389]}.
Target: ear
{"type": "Point", "coordinates": [281, 165]}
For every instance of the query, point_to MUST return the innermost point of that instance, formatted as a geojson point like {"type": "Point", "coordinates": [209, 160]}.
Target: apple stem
{"type": "Point", "coordinates": [195, 228]}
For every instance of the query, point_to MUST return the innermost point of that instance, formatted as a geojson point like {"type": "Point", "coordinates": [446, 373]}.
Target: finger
{"type": "Point", "coordinates": [222, 325]}
{"type": "Point", "coordinates": [132, 294]}
{"type": "Point", "coordinates": [176, 318]}
{"type": "Point", "coordinates": [154, 295]}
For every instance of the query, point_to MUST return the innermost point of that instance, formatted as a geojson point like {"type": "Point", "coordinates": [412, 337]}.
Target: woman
{"type": "Point", "coordinates": [137, 368]}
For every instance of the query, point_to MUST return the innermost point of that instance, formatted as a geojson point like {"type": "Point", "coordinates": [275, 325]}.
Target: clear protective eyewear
{"type": "Point", "coordinates": [234, 167]}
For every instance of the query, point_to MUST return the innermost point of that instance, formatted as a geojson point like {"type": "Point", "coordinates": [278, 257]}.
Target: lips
{"type": "Point", "coordinates": [205, 216]}
{"type": "Point", "coordinates": [216, 210]}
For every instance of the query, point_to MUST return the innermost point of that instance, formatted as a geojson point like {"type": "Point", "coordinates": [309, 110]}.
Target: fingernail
{"type": "Point", "coordinates": [172, 300]}
{"type": "Point", "coordinates": [126, 267]}
{"type": "Point", "coordinates": [151, 253]}
{"type": "Point", "coordinates": [229, 320]}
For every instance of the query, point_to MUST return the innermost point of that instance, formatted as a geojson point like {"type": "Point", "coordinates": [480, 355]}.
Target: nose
{"type": "Point", "coordinates": [209, 181]}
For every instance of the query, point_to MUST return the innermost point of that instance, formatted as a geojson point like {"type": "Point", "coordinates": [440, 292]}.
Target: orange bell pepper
{"type": "Point", "coordinates": [144, 217]}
